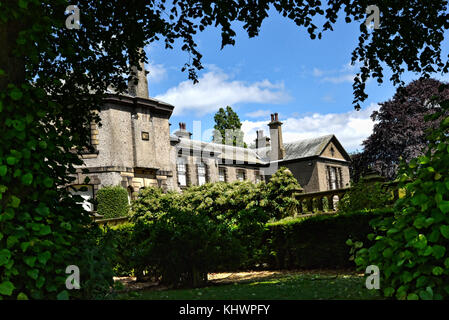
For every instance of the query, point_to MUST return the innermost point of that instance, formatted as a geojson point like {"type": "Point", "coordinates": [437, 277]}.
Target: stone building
{"type": "Point", "coordinates": [134, 149]}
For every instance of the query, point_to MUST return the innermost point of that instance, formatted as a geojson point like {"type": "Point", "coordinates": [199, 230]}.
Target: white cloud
{"type": "Point", "coordinates": [317, 72]}
{"type": "Point", "coordinates": [345, 74]}
{"type": "Point", "coordinates": [259, 114]}
{"type": "Point", "coordinates": [350, 128]}
{"type": "Point", "coordinates": [340, 78]}
{"type": "Point", "coordinates": [215, 89]}
{"type": "Point", "coordinates": [157, 72]}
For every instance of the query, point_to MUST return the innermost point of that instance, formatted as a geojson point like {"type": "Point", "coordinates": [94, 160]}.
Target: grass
{"type": "Point", "coordinates": [290, 286]}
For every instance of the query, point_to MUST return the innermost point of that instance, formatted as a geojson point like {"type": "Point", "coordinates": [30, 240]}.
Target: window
{"type": "Point", "coordinates": [257, 176]}
{"type": "Point", "coordinates": [181, 170]}
{"type": "Point", "coordinates": [222, 174]}
{"type": "Point", "coordinates": [241, 175]}
{"type": "Point", "coordinates": [335, 178]}
{"type": "Point", "coordinates": [201, 168]}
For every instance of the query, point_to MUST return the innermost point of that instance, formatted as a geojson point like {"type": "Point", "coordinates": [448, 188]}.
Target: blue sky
{"type": "Point", "coordinates": [308, 82]}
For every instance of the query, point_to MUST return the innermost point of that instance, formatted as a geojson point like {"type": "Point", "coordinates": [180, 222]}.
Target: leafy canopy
{"type": "Point", "coordinates": [400, 131]}
{"type": "Point", "coordinates": [52, 80]}
{"type": "Point", "coordinates": [411, 247]}
{"type": "Point", "coordinates": [228, 128]}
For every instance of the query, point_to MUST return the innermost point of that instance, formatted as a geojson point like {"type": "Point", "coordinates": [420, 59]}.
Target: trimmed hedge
{"type": "Point", "coordinates": [112, 202]}
{"type": "Point", "coordinates": [318, 241]}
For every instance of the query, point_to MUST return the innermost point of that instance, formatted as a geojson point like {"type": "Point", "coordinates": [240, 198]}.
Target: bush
{"type": "Point", "coordinates": [183, 246]}
{"type": "Point", "coordinates": [278, 193]}
{"type": "Point", "coordinates": [112, 202]}
{"type": "Point", "coordinates": [410, 248]}
{"type": "Point", "coordinates": [365, 195]}
{"type": "Point", "coordinates": [123, 245]}
{"type": "Point", "coordinates": [179, 238]}
{"type": "Point", "coordinates": [317, 241]}
{"type": "Point", "coordinates": [234, 208]}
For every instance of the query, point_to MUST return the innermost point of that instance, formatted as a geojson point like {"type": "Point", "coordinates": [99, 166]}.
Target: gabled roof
{"type": "Point", "coordinates": [305, 148]}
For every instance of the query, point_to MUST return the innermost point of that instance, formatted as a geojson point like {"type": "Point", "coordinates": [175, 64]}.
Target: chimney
{"type": "Point", "coordinates": [138, 84]}
{"type": "Point", "coordinates": [261, 140]}
{"type": "Point", "coordinates": [277, 146]}
{"type": "Point", "coordinates": [182, 132]}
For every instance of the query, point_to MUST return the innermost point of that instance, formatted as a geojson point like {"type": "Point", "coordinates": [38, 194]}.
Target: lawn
{"type": "Point", "coordinates": [298, 285]}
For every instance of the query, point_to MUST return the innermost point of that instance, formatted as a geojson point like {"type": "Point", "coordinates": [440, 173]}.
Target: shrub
{"type": "Point", "coordinates": [183, 246]}
{"type": "Point", "coordinates": [234, 206]}
{"type": "Point", "coordinates": [112, 202]}
{"type": "Point", "coordinates": [123, 244]}
{"type": "Point", "coordinates": [317, 241]}
{"type": "Point", "coordinates": [410, 248]}
{"type": "Point", "coordinates": [279, 200]}
{"type": "Point", "coordinates": [365, 195]}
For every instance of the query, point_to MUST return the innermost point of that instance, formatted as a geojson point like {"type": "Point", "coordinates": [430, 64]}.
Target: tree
{"type": "Point", "coordinates": [227, 127]}
{"type": "Point", "coordinates": [400, 131]}
{"type": "Point", "coordinates": [53, 79]}
{"type": "Point", "coordinates": [411, 248]}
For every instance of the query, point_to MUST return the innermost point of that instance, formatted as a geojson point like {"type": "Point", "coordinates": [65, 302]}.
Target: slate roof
{"type": "Point", "coordinates": [306, 148]}
{"type": "Point", "coordinates": [221, 151]}
{"type": "Point", "coordinates": [294, 150]}
{"type": "Point", "coordinates": [303, 148]}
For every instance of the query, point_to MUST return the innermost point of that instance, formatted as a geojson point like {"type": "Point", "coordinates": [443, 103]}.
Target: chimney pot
{"type": "Point", "coordinates": [272, 117]}
{"type": "Point", "coordinates": [276, 117]}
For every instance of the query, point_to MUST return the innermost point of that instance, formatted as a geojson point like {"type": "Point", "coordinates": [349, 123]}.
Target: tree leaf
{"type": "Point", "coordinates": [6, 288]}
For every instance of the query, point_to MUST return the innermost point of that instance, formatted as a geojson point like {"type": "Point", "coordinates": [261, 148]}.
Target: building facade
{"type": "Point", "coordinates": [134, 149]}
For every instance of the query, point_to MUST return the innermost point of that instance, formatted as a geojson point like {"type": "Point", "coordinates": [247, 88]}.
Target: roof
{"type": "Point", "coordinates": [304, 148]}
{"type": "Point", "coordinates": [222, 151]}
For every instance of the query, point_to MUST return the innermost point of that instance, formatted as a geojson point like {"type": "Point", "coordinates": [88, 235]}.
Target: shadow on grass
{"type": "Point", "coordinates": [269, 285]}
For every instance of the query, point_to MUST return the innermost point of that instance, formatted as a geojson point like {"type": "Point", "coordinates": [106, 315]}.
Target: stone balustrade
{"type": "Point", "coordinates": [323, 201]}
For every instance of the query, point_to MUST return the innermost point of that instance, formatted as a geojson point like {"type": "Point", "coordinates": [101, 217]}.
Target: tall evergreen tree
{"type": "Point", "coordinates": [228, 128]}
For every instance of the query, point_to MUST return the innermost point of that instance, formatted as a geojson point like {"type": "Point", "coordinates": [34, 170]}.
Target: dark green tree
{"type": "Point", "coordinates": [228, 128]}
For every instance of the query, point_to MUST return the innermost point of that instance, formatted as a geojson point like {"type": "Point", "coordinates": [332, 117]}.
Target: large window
{"type": "Point", "coordinates": [182, 173]}
{"type": "Point", "coordinates": [222, 174]}
{"type": "Point", "coordinates": [201, 168]}
{"type": "Point", "coordinates": [335, 178]}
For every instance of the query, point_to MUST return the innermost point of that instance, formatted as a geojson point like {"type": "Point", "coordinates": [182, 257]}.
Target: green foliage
{"type": "Point", "coordinates": [112, 202]}
{"type": "Point", "coordinates": [410, 248]}
{"type": "Point", "coordinates": [152, 202]}
{"type": "Point", "coordinates": [206, 218]}
{"type": "Point", "coordinates": [365, 195]}
{"type": "Point", "coordinates": [316, 242]}
{"type": "Point", "coordinates": [278, 194]}
{"type": "Point", "coordinates": [207, 228]}
{"type": "Point", "coordinates": [228, 128]}
{"type": "Point", "coordinates": [68, 68]}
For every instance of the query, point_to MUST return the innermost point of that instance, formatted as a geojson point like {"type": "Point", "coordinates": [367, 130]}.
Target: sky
{"type": "Point", "coordinates": [308, 82]}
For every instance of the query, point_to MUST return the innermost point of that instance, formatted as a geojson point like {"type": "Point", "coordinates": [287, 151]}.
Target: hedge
{"type": "Point", "coordinates": [318, 241]}
{"type": "Point", "coordinates": [112, 202]}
